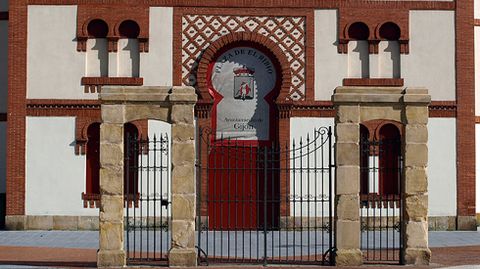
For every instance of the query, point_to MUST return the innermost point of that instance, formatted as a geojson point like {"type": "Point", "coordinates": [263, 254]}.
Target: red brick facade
{"type": "Point", "coordinates": [371, 12]}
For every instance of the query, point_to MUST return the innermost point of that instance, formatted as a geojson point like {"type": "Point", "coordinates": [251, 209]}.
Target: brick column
{"type": "Point", "coordinates": [111, 252]}
{"type": "Point", "coordinates": [347, 203]}
{"type": "Point", "coordinates": [415, 224]}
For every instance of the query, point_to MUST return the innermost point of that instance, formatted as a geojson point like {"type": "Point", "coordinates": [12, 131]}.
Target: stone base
{"type": "Point", "coordinates": [62, 223]}
{"type": "Point", "coordinates": [182, 258]}
{"type": "Point", "coordinates": [443, 223]}
{"type": "Point", "coordinates": [349, 257]}
{"type": "Point", "coordinates": [111, 259]}
{"type": "Point", "coordinates": [417, 256]}
{"type": "Point", "coordinates": [466, 223]}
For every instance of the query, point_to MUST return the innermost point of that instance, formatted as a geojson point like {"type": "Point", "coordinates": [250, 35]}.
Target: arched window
{"type": "Point", "coordinates": [364, 159]}
{"type": "Point", "coordinates": [128, 49]}
{"type": "Point", "coordinates": [91, 196]}
{"type": "Point", "coordinates": [92, 186]}
{"type": "Point", "coordinates": [358, 53]}
{"type": "Point", "coordinates": [97, 49]}
{"type": "Point", "coordinates": [93, 158]}
{"type": "Point", "coordinates": [131, 160]}
{"type": "Point", "coordinates": [389, 51]}
{"type": "Point", "coordinates": [389, 160]}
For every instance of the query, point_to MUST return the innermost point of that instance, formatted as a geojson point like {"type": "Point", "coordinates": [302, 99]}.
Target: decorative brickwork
{"type": "Point", "coordinates": [393, 82]}
{"type": "Point", "coordinates": [113, 15]}
{"type": "Point", "coordinates": [374, 18]}
{"type": "Point", "coordinates": [94, 84]}
{"type": "Point", "coordinates": [199, 31]}
{"type": "Point", "coordinates": [465, 82]}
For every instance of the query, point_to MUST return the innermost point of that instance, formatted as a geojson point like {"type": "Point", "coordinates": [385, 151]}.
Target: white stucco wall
{"type": "Point", "coordinates": [3, 156]}
{"type": "Point", "coordinates": [3, 65]}
{"type": "Point", "coordinates": [389, 59]}
{"type": "Point", "coordinates": [477, 166]}
{"type": "Point", "coordinates": [431, 61]}
{"type": "Point", "coordinates": [54, 67]}
{"type": "Point", "coordinates": [156, 65]}
{"type": "Point", "coordinates": [302, 182]}
{"type": "Point", "coordinates": [128, 58]}
{"type": "Point", "coordinates": [477, 70]}
{"type": "Point", "coordinates": [4, 5]}
{"type": "Point", "coordinates": [55, 176]}
{"type": "Point", "coordinates": [358, 59]}
{"type": "Point", "coordinates": [330, 66]}
{"type": "Point", "coordinates": [97, 64]}
{"type": "Point", "coordinates": [476, 5]}
{"type": "Point", "coordinates": [442, 172]}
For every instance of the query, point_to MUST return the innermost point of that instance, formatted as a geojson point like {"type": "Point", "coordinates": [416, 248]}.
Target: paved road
{"type": "Point", "coordinates": [89, 239]}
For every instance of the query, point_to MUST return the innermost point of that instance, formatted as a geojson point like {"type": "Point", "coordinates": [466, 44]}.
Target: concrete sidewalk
{"type": "Point", "coordinates": [54, 249]}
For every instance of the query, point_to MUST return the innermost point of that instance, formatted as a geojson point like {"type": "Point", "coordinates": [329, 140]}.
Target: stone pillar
{"type": "Point", "coordinates": [183, 252]}
{"type": "Point", "coordinates": [347, 200]}
{"type": "Point", "coordinates": [415, 225]}
{"type": "Point", "coordinates": [111, 252]}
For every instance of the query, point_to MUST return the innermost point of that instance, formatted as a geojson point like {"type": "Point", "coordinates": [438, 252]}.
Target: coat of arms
{"type": "Point", "coordinates": [243, 83]}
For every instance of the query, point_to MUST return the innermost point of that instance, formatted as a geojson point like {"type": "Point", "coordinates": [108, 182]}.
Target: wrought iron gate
{"type": "Point", "coordinates": [147, 200]}
{"type": "Point", "coordinates": [381, 202]}
{"type": "Point", "coordinates": [265, 203]}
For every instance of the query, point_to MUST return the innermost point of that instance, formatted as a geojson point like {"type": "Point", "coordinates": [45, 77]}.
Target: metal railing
{"type": "Point", "coordinates": [265, 202]}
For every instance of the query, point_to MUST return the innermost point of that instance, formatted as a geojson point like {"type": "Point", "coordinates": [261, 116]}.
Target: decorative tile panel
{"type": "Point", "coordinates": [199, 31]}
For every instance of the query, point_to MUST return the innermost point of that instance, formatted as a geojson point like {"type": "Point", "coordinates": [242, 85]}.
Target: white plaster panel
{"type": "Point", "coordinates": [55, 176]}
{"type": "Point", "coordinates": [156, 65]}
{"type": "Point", "coordinates": [54, 67]}
{"type": "Point", "coordinates": [3, 5]}
{"type": "Point", "coordinates": [3, 65]}
{"type": "Point", "coordinates": [476, 7]}
{"type": "Point", "coordinates": [477, 70]}
{"type": "Point", "coordinates": [431, 61]}
{"type": "Point", "coordinates": [389, 59]}
{"type": "Point", "coordinates": [309, 183]}
{"type": "Point", "coordinates": [477, 166]}
{"type": "Point", "coordinates": [442, 172]}
{"type": "Point", "coordinates": [128, 58]}
{"type": "Point", "coordinates": [3, 156]}
{"type": "Point", "coordinates": [358, 56]}
{"type": "Point", "coordinates": [330, 66]}
{"type": "Point", "coordinates": [97, 57]}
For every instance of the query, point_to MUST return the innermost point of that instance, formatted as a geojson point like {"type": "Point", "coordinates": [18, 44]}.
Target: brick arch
{"type": "Point", "coordinates": [400, 26]}
{"type": "Point", "coordinates": [374, 127]}
{"type": "Point", "coordinates": [347, 28]}
{"type": "Point", "coordinates": [92, 18]}
{"type": "Point", "coordinates": [116, 27]}
{"type": "Point", "coordinates": [257, 40]}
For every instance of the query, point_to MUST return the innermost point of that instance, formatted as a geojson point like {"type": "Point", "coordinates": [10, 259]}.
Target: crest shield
{"type": "Point", "coordinates": [243, 83]}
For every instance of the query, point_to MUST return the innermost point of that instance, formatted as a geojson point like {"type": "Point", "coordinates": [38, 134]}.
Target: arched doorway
{"type": "Point", "coordinates": [243, 80]}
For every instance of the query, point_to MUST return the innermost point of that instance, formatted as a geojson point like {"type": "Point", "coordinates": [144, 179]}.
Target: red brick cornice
{"type": "Point", "coordinates": [418, 5]}
{"type": "Point", "coordinates": [386, 82]}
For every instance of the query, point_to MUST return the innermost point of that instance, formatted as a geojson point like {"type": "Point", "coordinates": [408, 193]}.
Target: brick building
{"type": "Point", "coordinates": [55, 56]}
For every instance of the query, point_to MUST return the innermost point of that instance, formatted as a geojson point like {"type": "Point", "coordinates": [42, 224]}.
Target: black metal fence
{"type": "Point", "coordinates": [381, 200]}
{"type": "Point", "coordinates": [265, 203]}
{"type": "Point", "coordinates": [147, 200]}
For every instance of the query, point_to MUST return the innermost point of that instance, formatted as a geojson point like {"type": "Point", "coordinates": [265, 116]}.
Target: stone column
{"type": "Point", "coordinates": [183, 252]}
{"type": "Point", "coordinates": [111, 252]}
{"type": "Point", "coordinates": [415, 225]}
{"type": "Point", "coordinates": [347, 200]}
